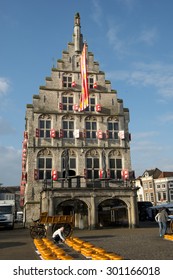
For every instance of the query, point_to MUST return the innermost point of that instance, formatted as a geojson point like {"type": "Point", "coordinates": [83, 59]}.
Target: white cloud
{"type": "Point", "coordinates": [4, 86]}
{"type": "Point", "coordinates": [114, 39]}
{"type": "Point", "coordinates": [97, 12]}
{"type": "Point", "coordinates": [10, 166]}
{"type": "Point", "coordinates": [148, 36]}
{"type": "Point", "coordinates": [156, 75]}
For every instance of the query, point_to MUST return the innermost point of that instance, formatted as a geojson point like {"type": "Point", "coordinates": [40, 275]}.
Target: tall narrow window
{"type": "Point", "coordinates": [115, 166]}
{"type": "Point", "coordinates": [91, 128]}
{"type": "Point", "coordinates": [92, 165]}
{"type": "Point", "coordinates": [113, 129]}
{"type": "Point", "coordinates": [44, 168]}
{"type": "Point", "coordinates": [68, 128]}
{"type": "Point", "coordinates": [44, 126]}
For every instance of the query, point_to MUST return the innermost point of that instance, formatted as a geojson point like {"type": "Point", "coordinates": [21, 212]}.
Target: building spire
{"type": "Point", "coordinates": [78, 38]}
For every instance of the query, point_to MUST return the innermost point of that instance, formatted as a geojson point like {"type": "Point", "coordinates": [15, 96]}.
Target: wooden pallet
{"type": "Point", "coordinates": [59, 219]}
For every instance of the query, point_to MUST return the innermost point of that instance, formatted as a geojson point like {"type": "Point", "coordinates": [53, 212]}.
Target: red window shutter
{"type": "Point", "coordinates": [61, 133]}
{"type": "Point", "coordinates": [73, 84]}
{"type": "Point", "coordinates": [100, 173]}
{"type": "Point", "coordinates": [84, 133]}
{"type": "Point", "coordinates": [23, 183]}
{"type": "Point", "coordinates": [85, 173]}
{"type": "Point", "coordinates": [25, 135]}
{"type": "Point", "coordinates": [75, 107]}
{"type": "Point", "coordinates": [52, 133]}
{"type": "Point", "coordinates": [54, 175]}
{"type": "Point", "coordinates": [21, 202]}
{"type": "Point", "coordinates": [99, 134]}
{"type": "Point", "coordinates": [22, 190]}
{"type": "Point", "coordinates": [23, 165]}
{"type": "Point", "coordinates": [60, 106]}
{"type": "Point", "coordinates": [98, 108]}
{"type": "Point", "coordinates": [24, 143]}
{"type": "Point", "coordinates": [24, 176]}
{"type": "Point", "coordinates": [107, 134]}
{"type": "Point", "coordinates": [36, 174]}
{"type": "Point", "coordinates": [37, 132]}
{"type": "Point", "coordinates": [24, 155]}
{"type": "Point", "coordinates": [95, 85]}
{"type": "Point", "coordinates": [125, 174]}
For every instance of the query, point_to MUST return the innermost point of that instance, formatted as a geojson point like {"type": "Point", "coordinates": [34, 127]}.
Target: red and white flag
{"type": "Point", "coordinates": [84, 99]}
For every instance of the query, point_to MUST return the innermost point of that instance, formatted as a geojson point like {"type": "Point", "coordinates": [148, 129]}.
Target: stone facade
{"type": "Point", "coordinates": [84, 151]}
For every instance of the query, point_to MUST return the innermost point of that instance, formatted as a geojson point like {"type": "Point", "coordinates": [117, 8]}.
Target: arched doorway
{"type": "Point", "coordinates": [75, 207]}
{"type": "Point", "coordinates": [112, 212]}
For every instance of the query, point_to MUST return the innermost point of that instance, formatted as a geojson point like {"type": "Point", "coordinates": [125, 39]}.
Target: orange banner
{"type": "Point", "coordinates": [84, 82]}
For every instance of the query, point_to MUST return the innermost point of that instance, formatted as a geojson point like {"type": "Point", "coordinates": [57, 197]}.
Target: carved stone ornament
{"type": "Point", "coordinates": [44, 152]}
{"type": "Point", "coordinates": [67, 117]}
{"type": "Point", "coordinates": [92, 153]}
{"type": "Point", "coordinates": [45, 116]}
{"type": "Point", "coordinates": [114, 153]}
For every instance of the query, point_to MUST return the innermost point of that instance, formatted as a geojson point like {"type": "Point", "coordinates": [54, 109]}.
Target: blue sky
{"type": "Point", "coordinates": [133, 43]}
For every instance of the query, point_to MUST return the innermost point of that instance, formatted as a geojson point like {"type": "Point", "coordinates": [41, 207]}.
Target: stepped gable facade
{"type": "Point", "coordinates": [74, 161]}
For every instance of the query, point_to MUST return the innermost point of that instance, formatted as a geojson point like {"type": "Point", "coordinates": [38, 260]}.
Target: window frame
{"type": "Point", "coordinates": [44, 128]}
{"type": "Point", "coordinates": [45, 168]}
{"type": "Point", "coordinates": [113, 132]}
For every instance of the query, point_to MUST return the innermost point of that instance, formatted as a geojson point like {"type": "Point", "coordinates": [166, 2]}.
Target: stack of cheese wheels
{"type": "Point", "coordinates": [113, 256]}
{"type": "Point", "coordinates": [59, 252]}
{"type": "Point", "coordinates": [168, 237]}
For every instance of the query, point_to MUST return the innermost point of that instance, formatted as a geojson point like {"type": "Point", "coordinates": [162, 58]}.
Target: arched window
{"type": "Point", "coordinates": [113, 128]}
{"type": "Point", "coordinates": [92, 164]}
{"type": "Point", "coordinates": [115, 164]}
{"type": "Point", "coordinates": [91, 128]}
{"type": "Point", "coordinates": [44, 126]}
{"type": "Point", "coordinates": [68, 127]}
{"type": "Point", "coordinates": [44, 163]}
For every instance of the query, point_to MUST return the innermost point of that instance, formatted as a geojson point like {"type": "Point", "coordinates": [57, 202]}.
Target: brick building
{"type": "Point", "coordinates": [73, 161]}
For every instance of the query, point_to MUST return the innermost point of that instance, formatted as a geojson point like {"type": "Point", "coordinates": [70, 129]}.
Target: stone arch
{"type": "Point", "coordinates": [77, 207]}
{"type": "Point", "coordinates": [112, 212]}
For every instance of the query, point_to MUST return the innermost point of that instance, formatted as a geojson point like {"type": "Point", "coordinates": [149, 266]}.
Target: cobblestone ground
{"type": "Point", "coordinates": [141, 243]}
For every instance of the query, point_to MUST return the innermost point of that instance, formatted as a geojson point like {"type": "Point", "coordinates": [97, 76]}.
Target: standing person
{"type": "Point", "coordinates": [161, 218]}
{"type": "Point", "coordinates": [58, 235]}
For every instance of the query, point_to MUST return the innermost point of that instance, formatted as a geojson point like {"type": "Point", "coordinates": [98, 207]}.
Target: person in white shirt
{"type": "Point", "coordinates": [161, 218]}
{"type": "Point", "coordinates": [58, 235]}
